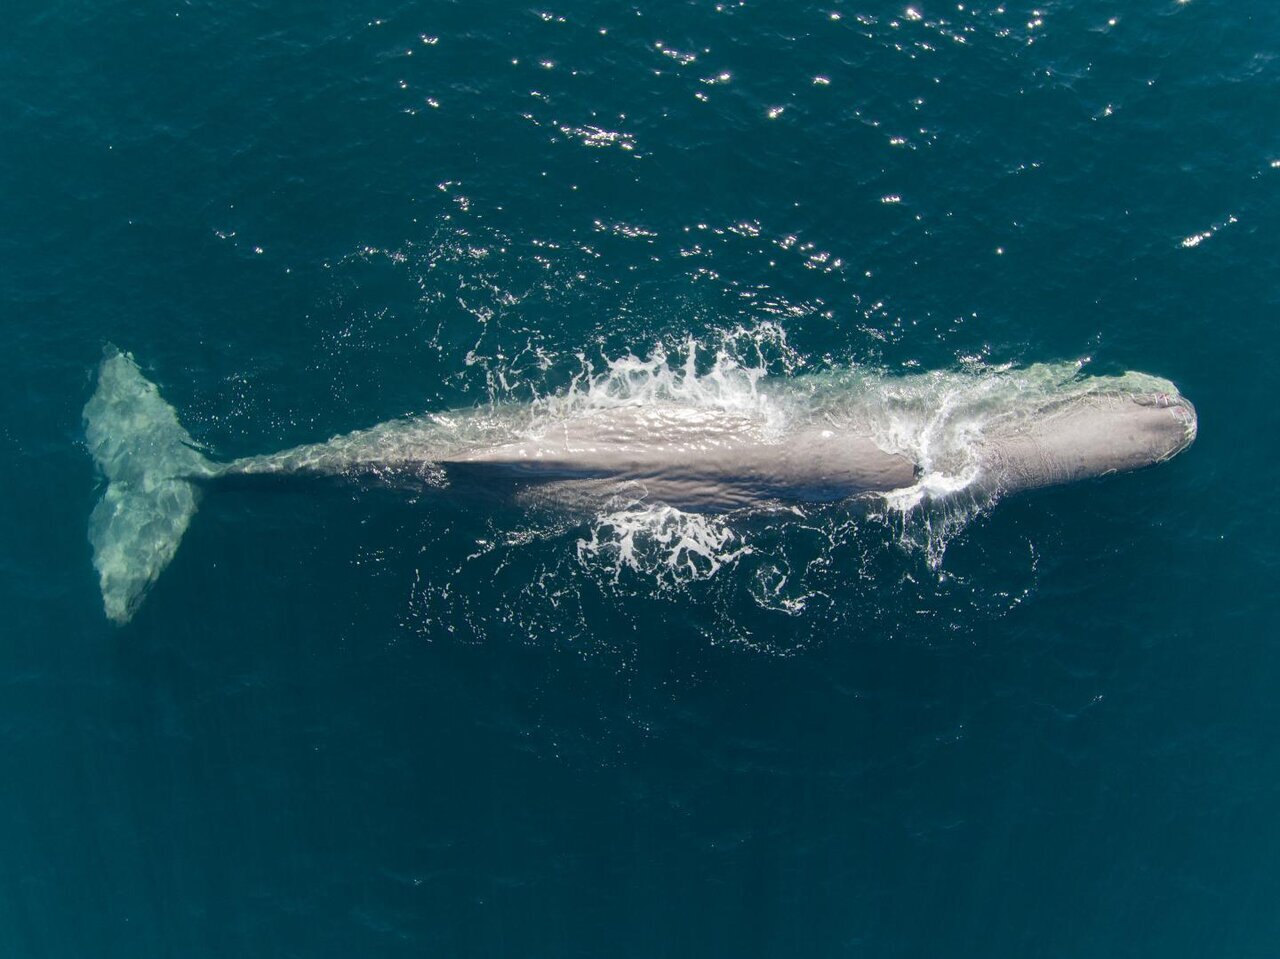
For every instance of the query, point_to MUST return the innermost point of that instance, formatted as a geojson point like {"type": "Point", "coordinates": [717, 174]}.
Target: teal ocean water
{"type": "Point", "coordinates": [352, 719]}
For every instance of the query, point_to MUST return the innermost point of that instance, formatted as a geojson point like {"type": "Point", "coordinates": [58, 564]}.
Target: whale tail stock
{"type": "Point", "coordinates": [151, 467]}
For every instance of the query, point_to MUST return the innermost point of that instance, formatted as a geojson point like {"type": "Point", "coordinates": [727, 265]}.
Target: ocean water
{"type": "Point", "coordinates": [352, 720]}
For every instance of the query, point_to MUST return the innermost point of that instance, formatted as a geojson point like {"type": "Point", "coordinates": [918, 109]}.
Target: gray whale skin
{"type": "Point", "coordinates": [684, 455]}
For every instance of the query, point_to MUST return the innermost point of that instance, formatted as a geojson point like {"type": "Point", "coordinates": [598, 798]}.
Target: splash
{"type": "Point", "coordinates": [662, 542]}
{"type": "Point", "coordinates": [724, 374]}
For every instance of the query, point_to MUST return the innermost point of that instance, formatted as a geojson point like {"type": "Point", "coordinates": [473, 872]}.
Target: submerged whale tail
{"type": "Point", "coordinates": [150, 464]}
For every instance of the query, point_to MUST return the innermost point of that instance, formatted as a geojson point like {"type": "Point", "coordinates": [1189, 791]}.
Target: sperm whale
{"type": "Point", "coordinates": [842, 435]}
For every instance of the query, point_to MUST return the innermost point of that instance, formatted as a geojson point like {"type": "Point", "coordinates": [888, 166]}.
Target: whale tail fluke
{"type": "Point", "coordinates": [151, 467]}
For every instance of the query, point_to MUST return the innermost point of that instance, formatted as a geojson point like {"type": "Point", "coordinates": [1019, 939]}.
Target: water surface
{"type": "Point", "coordinates": [349, 721]}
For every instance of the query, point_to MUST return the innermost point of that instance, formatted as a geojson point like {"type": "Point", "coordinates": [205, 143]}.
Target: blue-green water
{"type": "Point", "coordinates": [349, 721]}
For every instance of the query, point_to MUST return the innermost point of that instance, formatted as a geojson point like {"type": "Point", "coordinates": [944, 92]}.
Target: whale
{"type": "Point", "coordinates": [827, 437]}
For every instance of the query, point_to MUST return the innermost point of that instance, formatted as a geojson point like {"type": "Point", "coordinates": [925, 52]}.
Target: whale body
{"type": "Point", "coordinates": [815, 439]}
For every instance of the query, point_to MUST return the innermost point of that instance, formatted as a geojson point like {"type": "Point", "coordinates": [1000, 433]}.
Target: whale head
{"type": "Point", "coordinates": [1091, 435]}
{"type": "Point", "coordinates": [1167, 421]}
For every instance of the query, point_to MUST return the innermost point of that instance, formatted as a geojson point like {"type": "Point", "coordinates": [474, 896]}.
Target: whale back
{"type": "Point", "coordinates": [699, 458]}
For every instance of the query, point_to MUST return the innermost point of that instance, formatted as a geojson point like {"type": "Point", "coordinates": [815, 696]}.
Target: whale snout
{"type": "Point", "coordinates": [1184, 414]}
{"type": "Point", "coordinates": [1176, 418]}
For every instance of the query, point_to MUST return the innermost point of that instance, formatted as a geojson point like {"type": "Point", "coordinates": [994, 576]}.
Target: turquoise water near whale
{"type": "Point", "coordinates": [350, 720]}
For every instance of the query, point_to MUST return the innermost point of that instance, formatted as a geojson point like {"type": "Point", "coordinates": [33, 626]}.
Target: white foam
{"type": "Point", "coordinates": [724, 374]}
{"type": "Point", "coordinates": [660, 541]}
